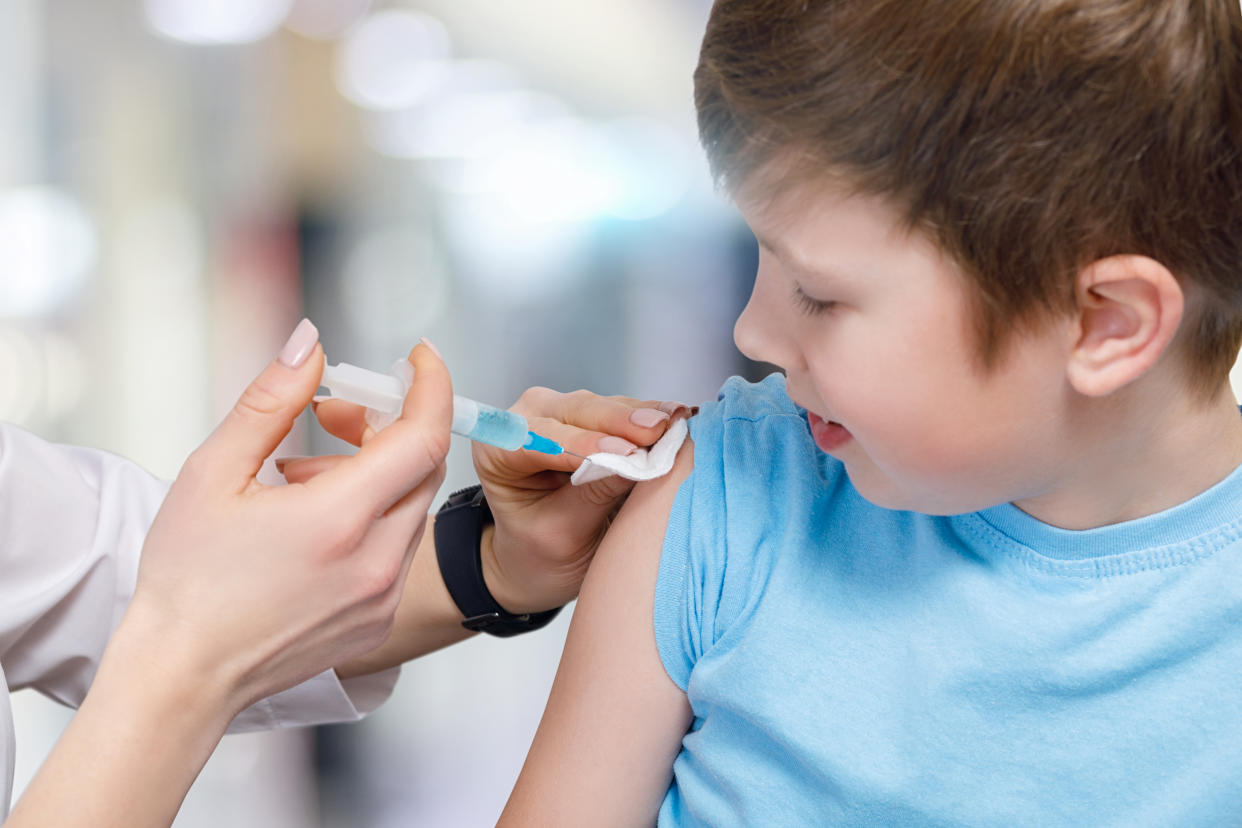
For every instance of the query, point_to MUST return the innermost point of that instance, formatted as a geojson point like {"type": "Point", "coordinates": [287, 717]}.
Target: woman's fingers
{"type": "Point", "coordinates": [230, 457]}
{"type": "Point", "coordinates": [638, 421]}
{"type": "Point", "coordinates": [343, 420]}
{"type": "Point", "coordinates": [582, 423]}
{"type": "Point", "coordinates": [302, 469]}
{"type": "Point", "coordinates": [401, 456]}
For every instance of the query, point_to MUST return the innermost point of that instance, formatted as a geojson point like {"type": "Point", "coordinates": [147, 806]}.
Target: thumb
{"type": "Point", "coordinates": [264, 413]}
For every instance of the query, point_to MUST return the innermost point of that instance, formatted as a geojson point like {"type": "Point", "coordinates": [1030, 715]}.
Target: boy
{"type": "Point", "coordinates": [977, 558]}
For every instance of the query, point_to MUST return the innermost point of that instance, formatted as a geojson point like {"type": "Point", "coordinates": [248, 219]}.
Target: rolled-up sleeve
{"type": "Point", "coordinates": [324, 699]}
{"type": "Point", "coordinates": [72, 526]}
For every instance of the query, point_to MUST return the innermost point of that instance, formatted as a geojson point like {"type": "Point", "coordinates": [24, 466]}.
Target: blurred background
{"type": "Point", "coordinates": [182, 180]}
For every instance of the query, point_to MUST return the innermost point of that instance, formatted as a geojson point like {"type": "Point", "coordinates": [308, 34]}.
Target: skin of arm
{"type": "Point", "coordinates": [426, 619]}
{"type": "Point", "coordinates": [614, 722]}
{"type": "Point", "coordinates": [152, 719]}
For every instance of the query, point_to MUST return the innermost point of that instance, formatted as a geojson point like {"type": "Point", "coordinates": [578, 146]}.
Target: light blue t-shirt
{"type": "Point", "coordinates": [852, 665]}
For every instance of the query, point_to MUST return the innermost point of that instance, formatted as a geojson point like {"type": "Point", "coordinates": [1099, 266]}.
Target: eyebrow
{"type": "Point", "coordinates": [792, 259]}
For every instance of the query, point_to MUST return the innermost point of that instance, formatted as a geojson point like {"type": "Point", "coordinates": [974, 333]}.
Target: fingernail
{"type": "Point", "coordinates": [648, 417]}
{"type": "Point", "coordinates": [318, 398]}
{"type": "Point", "coordinates": [615, 445]}
{"type": "Point", "coordinates": [433, 348]}
{"type": "Point", "coordinates": [301, 343]}
{"type": "Point", "coordinates": [673, 407]}
{"type": "Point", "coordinates": [281, 461]}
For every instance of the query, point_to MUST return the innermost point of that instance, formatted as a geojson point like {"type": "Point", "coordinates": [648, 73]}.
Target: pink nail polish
{"type": "Point", "coordinates": [615, 445]}
{"type": "Point", "coordinates": [672, 407]}
{"type": "Point", "coordinates": [433, 348]}
{"type": "Point", "coordinates": [300, 345]}
{"type": "Point", "coordinates": [648, 417]}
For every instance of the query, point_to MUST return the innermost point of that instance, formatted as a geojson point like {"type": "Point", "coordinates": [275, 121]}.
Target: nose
{"type": "Point", "coordinates": [760, 333]}
{"type": "Point", "coordinates": [746, 330]}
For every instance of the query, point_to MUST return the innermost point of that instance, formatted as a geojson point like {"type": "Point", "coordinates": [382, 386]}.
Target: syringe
{"type": "Point", "coordinates": [385, 393]}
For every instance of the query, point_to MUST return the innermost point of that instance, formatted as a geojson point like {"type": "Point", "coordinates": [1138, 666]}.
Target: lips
{"type": "Point", "coordinates": [828, 435]}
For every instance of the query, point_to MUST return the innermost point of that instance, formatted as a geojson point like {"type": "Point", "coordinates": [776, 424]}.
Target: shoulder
{"type": "Point", "coordinates": [750, 439]}
{"type": "Point", "coordinates": [740, 399]}
{"type": "Point", "coordinates": [746, 501]}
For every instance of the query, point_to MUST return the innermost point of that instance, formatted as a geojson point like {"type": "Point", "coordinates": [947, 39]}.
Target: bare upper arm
{"type": "Point", "coordinates": [613, 725]}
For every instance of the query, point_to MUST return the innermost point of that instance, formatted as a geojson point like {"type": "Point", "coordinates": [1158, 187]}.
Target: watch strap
{"type": "Point", "coordinates": [458, 532]}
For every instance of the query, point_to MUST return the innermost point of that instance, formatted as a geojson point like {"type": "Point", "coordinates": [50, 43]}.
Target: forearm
{"type": "Point", "coordinates": [427, 619]}
{"type": "Point", "coordinates": [139, 739]}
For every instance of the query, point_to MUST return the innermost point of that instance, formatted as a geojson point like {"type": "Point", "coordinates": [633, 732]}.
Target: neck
{"type": "Point", "coordinates": [1139, 453]}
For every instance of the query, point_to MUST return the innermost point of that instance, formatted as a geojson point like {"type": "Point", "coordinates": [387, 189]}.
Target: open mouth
{"type": "Point", "coordinates": [828, 435]}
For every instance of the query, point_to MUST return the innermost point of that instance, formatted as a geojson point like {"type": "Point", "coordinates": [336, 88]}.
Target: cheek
{"type": "Point", "coordinates": [956, 444]}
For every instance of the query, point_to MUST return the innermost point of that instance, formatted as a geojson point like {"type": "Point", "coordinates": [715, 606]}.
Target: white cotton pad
{"type": "Point", "coordinates": [644, 464]}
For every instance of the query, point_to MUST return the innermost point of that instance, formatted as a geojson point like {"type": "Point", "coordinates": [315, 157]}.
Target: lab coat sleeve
{"type": "Point", "coordinates": [72, 525]}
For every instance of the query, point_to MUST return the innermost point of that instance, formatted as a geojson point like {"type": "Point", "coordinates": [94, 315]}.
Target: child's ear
{"type": "Point", "coordinates": [1129, 308]}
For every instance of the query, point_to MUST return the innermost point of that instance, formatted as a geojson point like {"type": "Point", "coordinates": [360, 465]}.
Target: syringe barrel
{"type": "Point", "coordinates": [381, 392]}
{"type": "Point", "coordinates": [486, 424]}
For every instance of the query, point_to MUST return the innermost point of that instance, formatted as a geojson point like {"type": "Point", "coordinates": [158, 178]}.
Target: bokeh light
{"type": "Point", "coordinates": [49, 249]}
{"type": "Point", "coordinates": [652, 163]}
{"type": "Point", "coordinates": [471, 101]}
{"type": "Point", "coordinates": [392, 59]}
{"type": "Point", "coordinates": [325, 19]}
{"type": "Point", "coordinates": [216, 21]}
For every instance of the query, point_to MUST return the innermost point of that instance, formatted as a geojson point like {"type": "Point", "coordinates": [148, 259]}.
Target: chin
{"type": "Point", "coordinates": [886, 495]}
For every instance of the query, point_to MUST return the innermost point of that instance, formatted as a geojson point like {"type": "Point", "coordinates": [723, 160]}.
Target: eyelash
{"type": "Point", "coordinates": [809, 306]}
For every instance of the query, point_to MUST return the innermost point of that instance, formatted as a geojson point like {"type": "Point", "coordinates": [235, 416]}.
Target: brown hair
{"type": "Point", "coordinates": [1027, 137]}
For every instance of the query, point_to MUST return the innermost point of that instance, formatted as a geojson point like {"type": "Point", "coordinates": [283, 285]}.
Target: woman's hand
{"type": "Point", "coordinates": [244, 590]}
{"type": "Point", "coordinates": [261, 587]}
{"type": "Point", "coordinates": [547, 530]}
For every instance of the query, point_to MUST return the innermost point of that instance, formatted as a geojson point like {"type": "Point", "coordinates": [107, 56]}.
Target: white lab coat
{"type": "Point", "coordinates": [72, 524]}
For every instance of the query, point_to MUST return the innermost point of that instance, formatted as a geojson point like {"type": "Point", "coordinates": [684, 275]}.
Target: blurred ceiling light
{"type": "Point", "coordinates": [207, 22]}
{"type": "Point", "coordinates": [564, 169]}
{"type": "Point", "coordinates": [49, 248]}
{"type": "Point", "coordinates": [471, 98]}
{"type": "Point", "coordinates": [392, 59]}
{"type": "Point", "coordinates": [557, 170]}
{"type": "Point", "coordinates": [511, 257]}
{"type": "Point", "coordinates": [325, 19]}
{"type": "Point", "coordinates": [653, 162]}
{"type": "Point", "coordinates": [458, 126]}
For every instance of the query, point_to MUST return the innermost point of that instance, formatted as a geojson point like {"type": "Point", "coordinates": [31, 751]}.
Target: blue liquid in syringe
{"type": "Point", "coordinates": [497, 427]}
{"type": "Point", "coordinates": [479, 422]}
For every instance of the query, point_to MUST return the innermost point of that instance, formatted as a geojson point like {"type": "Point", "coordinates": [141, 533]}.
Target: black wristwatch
{"type": "Point", "coordinates": [458, 534]}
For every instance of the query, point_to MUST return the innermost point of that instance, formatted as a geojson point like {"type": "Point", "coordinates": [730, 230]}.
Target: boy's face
{"type": "Point", "coordinates": [872, 327]}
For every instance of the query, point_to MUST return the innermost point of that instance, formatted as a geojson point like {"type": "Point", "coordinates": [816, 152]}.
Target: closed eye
{"type": "Point", "coordinates": [809, 305]}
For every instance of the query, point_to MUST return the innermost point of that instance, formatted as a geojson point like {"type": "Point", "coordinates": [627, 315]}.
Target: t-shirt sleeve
{"type": "Point", "coordinates": [677, 615]}
{"type": "Point", "coordinates": [712, 570]}
{"type": "Point", "coordinates": [72, 526]}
